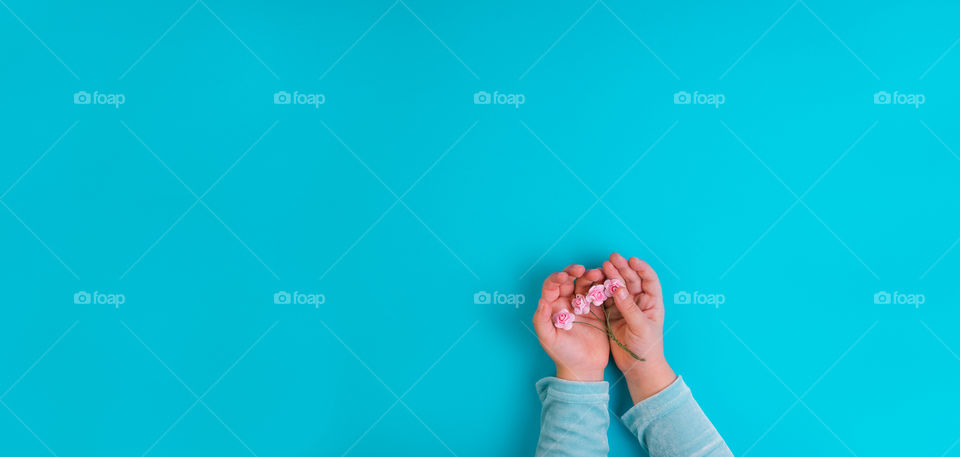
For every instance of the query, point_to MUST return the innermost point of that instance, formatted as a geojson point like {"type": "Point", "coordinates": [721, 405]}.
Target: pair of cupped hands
{"type": "Point", "coordinates": [635, 316]}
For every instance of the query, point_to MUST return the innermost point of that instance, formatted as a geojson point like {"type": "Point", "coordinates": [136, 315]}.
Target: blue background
{"type": "Point", "coordinates": [399, 198]}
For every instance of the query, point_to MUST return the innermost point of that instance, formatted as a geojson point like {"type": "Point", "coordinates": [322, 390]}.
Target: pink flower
{"type": "Point", "coordinates": [580, 304]}
{"type": "Point", "coordinates": [563, 320]}
{"type": "Point", "coordinates": [612, 286]}
{"type": "Point", "coordinates": [597, 295]}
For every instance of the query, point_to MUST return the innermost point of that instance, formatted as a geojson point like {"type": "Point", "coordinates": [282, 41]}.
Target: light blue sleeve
{"type": "Point", "coordinates": [574, 419]}
{"type": "Point", "coordinates": [671, 424]}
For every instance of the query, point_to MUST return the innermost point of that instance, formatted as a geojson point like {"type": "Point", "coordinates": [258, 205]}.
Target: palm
{"type": "Point", "coordinates": [641, 341]}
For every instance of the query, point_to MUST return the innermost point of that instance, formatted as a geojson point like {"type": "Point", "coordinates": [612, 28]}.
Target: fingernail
{"type": "Point", "coordinates": [622, 293]}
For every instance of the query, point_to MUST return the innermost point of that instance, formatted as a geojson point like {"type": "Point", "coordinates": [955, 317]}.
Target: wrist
{"type": "Point", "coordinates": [579, 375]}
{"type": "Point", "coordinates": [648, 379]}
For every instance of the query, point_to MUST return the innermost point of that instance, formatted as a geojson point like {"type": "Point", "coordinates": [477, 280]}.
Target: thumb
{"type": "Point", "coordinates": [629, 309]}
{"type": "Point", "coordinates": [543, 325]}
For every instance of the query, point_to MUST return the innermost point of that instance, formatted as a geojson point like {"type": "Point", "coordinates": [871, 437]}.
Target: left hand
{"type": "Point", "coordinates": [581, 353]}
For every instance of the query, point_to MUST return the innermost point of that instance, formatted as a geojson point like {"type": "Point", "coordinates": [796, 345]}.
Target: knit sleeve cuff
{"type": "Point", "coordinates": [573, 391]}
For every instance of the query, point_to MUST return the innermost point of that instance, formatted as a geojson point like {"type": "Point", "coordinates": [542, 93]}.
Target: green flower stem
{"type": "Point", "coordinates": [594, 326]}
{"type": "Point", "coordinates": [626, 348]}
{"type": "Point", "coordinates": [615, 340]}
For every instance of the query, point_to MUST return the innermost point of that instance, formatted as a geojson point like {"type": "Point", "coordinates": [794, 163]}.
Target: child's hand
{"type": "Point", "coordinates": [637, 322]}
{"type": "Point", "coordinates": [582, 352]}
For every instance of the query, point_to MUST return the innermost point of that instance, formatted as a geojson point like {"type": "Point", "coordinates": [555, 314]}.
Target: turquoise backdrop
{"type": "Point", "coordinates": [268, 228]}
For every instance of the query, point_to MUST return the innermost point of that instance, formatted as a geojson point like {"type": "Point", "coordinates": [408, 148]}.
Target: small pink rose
{"type": "Point", "coordinates": [612, 286]}
{"type": "Point", "coordinates": [580, 304]}
{"type": "Point", "coordinates": [563, 320]}
{"type": "Point", "coordinates": [597, 295]}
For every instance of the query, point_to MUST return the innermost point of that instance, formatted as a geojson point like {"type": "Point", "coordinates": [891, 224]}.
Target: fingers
{"type": "Point", "coordinates": [551, 286]}
{"type": "Point", "coordinates": [543, 324]}
{"type": "Point", "coordinates": [630, 276]}
{"type": "Point", "coordinates": [610, 271]}
{"type": "Point", "coordinates": [574, 271]}
{"type": "Point", "coordinates": [623, 300]}
{"type": "Point", "coordinates": [648, 277]}
{"type": "Point", "coordinates": [590, 277]}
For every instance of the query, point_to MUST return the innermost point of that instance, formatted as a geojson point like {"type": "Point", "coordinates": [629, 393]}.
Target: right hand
{"type": "Point", "coordinates": [636, 319]}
